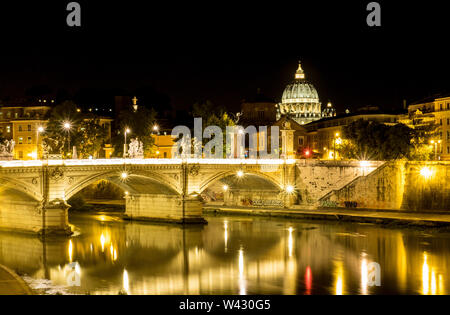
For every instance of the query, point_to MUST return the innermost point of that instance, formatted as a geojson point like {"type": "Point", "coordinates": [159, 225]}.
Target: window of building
{"type": "Point", "coordinates": [1, 115]}
{"type": "Point", "coordinates": [165, 155]}
{"type": "Point", "coordinates": [440, 122]}
{"type": "Point", "coordinates": [29, 140]}
{"type": "Point", "coordinates": [448, 121]}
{"type": "Point", "coordinates": [448, 150]}
{"type": "Point", "coordinates": [8, 129]}
{"type": "Point", "coordinates": [20, 154]}
{"type": "Point", "coordinates": [20, 128]}
{"type": "Point", "coordinates": [16, 115]}
{"type": "Point", "coordinates": [8, 114]}
{"type": "Point", "coordinates": [20, 140]}
{"type": "Point", "coordinates": [440, 106]}
{"type": "Point", "coordinates": [448, 105]}
{"type": "Point", "coordinates": [29, 127]}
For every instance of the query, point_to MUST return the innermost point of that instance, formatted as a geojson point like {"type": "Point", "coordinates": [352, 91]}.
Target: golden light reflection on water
{"type": "Point", "coordinates": [262, 257]}
{"type": "Point", "coordinates": [339, 278]}
{"type": "Point", "coordinates": [125, 282]}
{"type": "Point", "coordinates": [225, 235]}
{"type": "Point", "coordinates": [242, 284]}
{"type": "Point", "coordinates": [364, 275]}
{"type": "Point", "coordinates": [70, 250]}
{"type": "Point", "coordinates": [290, 241]}
{"type": "Point", "coordinates": [102, 242]}
{"type": "Point", "coordinates": [432, 283]}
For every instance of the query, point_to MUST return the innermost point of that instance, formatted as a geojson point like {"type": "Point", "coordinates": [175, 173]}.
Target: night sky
{"type": "Point", "coordinates": [225, 50]}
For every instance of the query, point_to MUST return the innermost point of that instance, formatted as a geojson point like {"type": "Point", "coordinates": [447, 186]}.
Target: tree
{"type": "Point", "coordinates": [377, 141]}
{"type": "Point", "coordinates": [213, 116]}
{"type": "Point", "coordinates": [90, 137]}
{"type": "Point", "coordinates": [55, 137]}
{"type": "Point", "coordinates": [85, 133]}
{"type": "Point", "coordinates": [140, 123]}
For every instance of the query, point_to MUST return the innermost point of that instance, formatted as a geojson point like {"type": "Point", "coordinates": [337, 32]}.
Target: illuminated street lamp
{"type": "Point", "coordinates": [338, 141]}
{"type": "Point", "coordinates": [67, 125]}
{"type": "Point", "coordinates": [155, 128]}
{"type": "Point", "coordinates": [127, 130]}
{"type": "Point", "coordinates": [289, 189]}
{"type": "Point", "coordinates": [240, 173]}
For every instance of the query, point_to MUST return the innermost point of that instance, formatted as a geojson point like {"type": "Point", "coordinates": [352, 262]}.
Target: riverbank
{"type": "Point", "coordinates": [386, 217]}
{"type": "Point", "coordinates": [12, 284]}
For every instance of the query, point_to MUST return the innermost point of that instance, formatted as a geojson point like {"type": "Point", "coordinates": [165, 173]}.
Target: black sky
{"type": "Point", "coordinates": [225, 50]}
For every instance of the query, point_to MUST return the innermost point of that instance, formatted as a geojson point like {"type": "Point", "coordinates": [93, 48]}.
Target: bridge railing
{"type": "Point", "coordinates": [119, 161]}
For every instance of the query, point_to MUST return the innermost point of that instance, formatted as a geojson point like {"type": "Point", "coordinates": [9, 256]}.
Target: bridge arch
{"type": "Point", "coordinates": [144, 183]}
{"type": "Point", "coordinates": [11, 187]}
{"type": "Point", "coordinates": [248, 174]}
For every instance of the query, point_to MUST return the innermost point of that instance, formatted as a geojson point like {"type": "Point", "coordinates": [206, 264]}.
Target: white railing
{"type": "Point", "coordinates": [87, 162]}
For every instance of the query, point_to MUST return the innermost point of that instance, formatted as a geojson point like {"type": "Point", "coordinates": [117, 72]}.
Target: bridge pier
{"type": "Point", "coordinates": [164, 208]}
{"type": "Point", "coordinates": [34, 217]}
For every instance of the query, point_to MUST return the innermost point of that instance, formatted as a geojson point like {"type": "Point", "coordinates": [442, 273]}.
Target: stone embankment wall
{"type": "Point", "coordinates": [412, 186]}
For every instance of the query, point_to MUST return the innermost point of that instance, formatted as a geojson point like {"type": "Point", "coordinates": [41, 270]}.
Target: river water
{"type": "Point", "coordinates": [231, 255]}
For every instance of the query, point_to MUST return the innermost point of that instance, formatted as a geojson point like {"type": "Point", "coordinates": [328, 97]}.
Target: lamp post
{"type": "Point", "coordinates": [38, 131]}
{"type": "Point", "coordinates": [435, 147]}
{"type": "Point", "coordinates": [127, 130]}
{"type": "Point", "coordinates": [440, 149]}
{"type": "Point", "coordinates": [336, 136]}
{"type": "Point", "coordinates": [67, 126]}
{"type": "Point", "coordinates": [155, 128]}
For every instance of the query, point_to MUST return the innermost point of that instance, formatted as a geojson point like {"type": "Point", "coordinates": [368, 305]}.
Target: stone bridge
{"type": "Point", "coordinates": [33, 194]}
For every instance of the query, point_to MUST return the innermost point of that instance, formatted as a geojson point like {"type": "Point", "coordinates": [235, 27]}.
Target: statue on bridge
{"type": "Point", "coordinates": [7, 150]}
{"type": "Point", "coordinates": [136, 149]}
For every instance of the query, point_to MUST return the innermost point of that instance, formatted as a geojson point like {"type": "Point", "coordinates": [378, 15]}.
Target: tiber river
{"type": "Point", "coordinates": [230, 255]}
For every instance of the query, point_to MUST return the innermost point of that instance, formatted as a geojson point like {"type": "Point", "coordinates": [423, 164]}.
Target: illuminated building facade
{"type": "Point", "coordinates": [323, 133]}
{"type": "Point", "coordinates": [22, 124]}
{"type": "Point", "coordinates": [163, 145]}
{"type": "Point", "coordinates": [435, 111]}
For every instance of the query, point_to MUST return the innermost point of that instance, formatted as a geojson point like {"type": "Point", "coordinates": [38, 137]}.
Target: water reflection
{"type": "Point", "coordinates": [126, 282]}
{"type": "Point", "coordinates": [233, 256]}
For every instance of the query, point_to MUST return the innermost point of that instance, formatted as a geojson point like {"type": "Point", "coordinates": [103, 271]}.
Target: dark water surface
{"type": "Point", "coordinates": [231, 255]}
